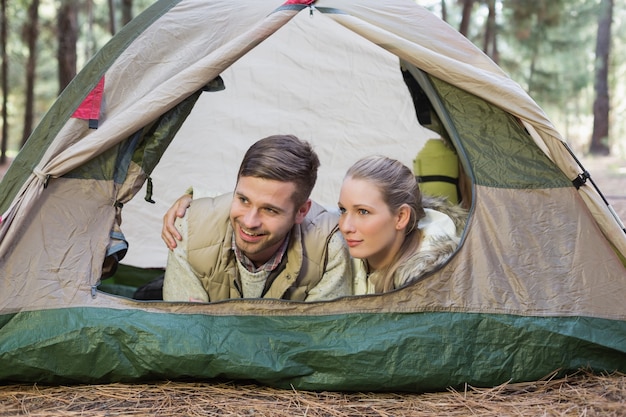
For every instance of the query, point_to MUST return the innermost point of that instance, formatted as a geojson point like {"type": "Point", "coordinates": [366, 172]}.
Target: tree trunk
{"type": "Point", "coordinates": [67, 26]}
{"type": "Point", "coordinates": [90, 48]}
{"type": "Point", "coordinates": [112, 26]}
{"type": "Point", "coordinates": [31, 33]}
{"type": "Point", "coordinates": [467, 16]}
{"type": "Point", "coordinates": [5, 82]}
{"type": "Point", "coordinates": [127, 11]}
{"type": "Point", "coordinates": [600, 136]}
{"type": "Point", "coordinates": [489, 46]}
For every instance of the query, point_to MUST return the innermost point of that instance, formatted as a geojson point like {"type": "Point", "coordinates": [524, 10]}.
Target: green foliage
{"type": "Point", "coordinates": [543, 41]}
{"type": "Point", "coordinates": [548, 47]}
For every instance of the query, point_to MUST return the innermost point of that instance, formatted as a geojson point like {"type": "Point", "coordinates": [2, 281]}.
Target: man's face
{"type": "Point", "coordinates": [262, 213]}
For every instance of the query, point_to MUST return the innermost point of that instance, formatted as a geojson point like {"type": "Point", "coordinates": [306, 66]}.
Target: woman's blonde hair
{"type": "Point", "coordinates": [398, 186]}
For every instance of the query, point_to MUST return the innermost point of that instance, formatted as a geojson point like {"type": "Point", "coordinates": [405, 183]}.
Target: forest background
{"type": "Point", "coordinates": [569, 55]}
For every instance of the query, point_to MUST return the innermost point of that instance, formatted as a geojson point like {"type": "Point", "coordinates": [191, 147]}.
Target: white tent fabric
{"type": "Point", "coordinates": [322, 99]}
{"type": "Point", "coordinates": [346, 121]}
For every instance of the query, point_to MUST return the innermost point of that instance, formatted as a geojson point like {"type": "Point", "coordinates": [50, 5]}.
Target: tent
{"type": "Point", "coordinates": [176, 97]}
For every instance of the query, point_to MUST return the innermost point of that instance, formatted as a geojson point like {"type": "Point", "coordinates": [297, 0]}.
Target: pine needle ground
{"type": "Point", "coordinates": [582, 394]}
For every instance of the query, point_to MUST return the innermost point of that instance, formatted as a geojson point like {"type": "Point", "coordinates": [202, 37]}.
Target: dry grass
{"type": "Point", "coordinates": [582, 394]}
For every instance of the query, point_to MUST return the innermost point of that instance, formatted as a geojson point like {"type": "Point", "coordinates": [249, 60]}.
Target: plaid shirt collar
{"type": "Point", "coordinates": [268, 266]}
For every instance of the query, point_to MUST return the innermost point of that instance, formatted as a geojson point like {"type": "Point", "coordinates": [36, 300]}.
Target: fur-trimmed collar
{"type": "Point", "coordinates": [440, 246]}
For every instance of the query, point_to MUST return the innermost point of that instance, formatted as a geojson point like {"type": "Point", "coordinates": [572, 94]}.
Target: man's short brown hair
{"type": "Point", "coordinates": [283, 158]}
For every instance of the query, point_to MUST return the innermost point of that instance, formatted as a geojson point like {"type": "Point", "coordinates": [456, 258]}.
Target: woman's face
{"type": "Point", "coordinates": [370, 229]}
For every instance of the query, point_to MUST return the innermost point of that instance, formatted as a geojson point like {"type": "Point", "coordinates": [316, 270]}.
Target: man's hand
{"type": "Point", "coordinates": [169, 234]}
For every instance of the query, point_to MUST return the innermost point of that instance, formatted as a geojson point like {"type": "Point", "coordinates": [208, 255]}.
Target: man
{"type": "Point", "coordinates": [267, 239]}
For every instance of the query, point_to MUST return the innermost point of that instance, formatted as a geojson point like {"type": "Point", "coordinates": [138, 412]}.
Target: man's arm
{"type": "Point", "coordinates": [169, 233]}
{"type": "Point", "coordinates": [181, 283]}
{"type": "Point", "coordinates": [337, 278]}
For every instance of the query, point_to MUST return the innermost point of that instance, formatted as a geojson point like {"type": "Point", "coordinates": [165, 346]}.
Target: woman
{"type": "Point", "coordinates": [393, 237]}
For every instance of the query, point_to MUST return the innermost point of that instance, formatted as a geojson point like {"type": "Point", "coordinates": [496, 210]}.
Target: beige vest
{"type": "Point", "coordinates": [211, 256]}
